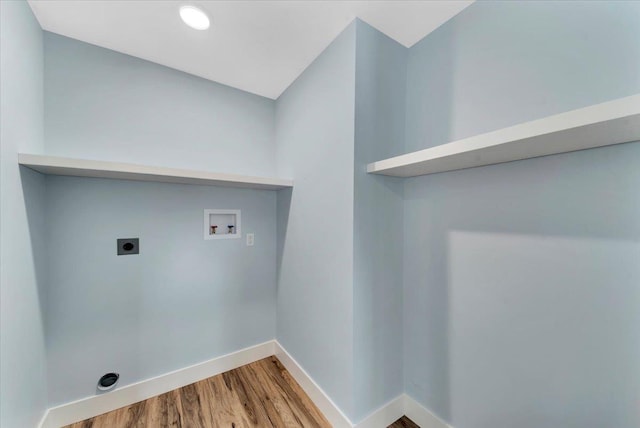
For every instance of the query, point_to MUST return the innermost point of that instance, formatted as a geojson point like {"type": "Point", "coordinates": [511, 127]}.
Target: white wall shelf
{"type": "Point", "coordinates": [53, 165]}
{"type": "Point", "coordinates": [605, 124]}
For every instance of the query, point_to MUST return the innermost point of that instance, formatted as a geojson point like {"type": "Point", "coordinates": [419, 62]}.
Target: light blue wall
{"type": "Point", "coordinates": [23, 398]}
{"type": "Point", "coordinates": [378, 220]}
{"type": "Point", "coordinates": [100, 104]}
{"type": "Point", "coordinates": [181, 301]}
{"type": "Point", "coordinates": [315, 137]}
{"type": "Point", "coordinates": [521, 280]}
{"type": "Point", "coordinates": [499, 63]}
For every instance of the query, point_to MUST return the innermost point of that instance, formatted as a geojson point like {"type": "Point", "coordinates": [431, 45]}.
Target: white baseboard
{"type": "Point", "coordinates": [328, 408]}
{"type": "Point", "coordinates": [88, 407]}
{"type": "Point", "coordinates": [44, 419]}
{"type": "Point", "coordinates": [385, 415]}
{"type": "Point", "coordinates": [420, 415]}
{"type": "Point", "coordinates": [403, 405]}
{"type": "Point", "coordinates": [85, 408]}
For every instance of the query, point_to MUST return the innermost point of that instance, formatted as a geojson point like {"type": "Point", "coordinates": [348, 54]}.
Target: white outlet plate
{"type": "Point", "coordinates": [250, 239]}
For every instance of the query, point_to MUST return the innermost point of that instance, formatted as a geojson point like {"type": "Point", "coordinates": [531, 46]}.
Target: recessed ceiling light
{"type": "Point", "coordinates": [194, 17]}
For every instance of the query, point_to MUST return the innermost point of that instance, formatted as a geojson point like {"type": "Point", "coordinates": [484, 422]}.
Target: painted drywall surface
{"type": "Point", "coordinates": [522, 296]}
{"type": "Point", "coordinates": [181, 301]}
{"type": "Point", "coordinates": [378, 221]}
{"type": "Point", "coordinates": [521, 280]}
{"type": "Point", "coordinates": [23, 390]}
{"type": "Point", "coordinates": [315, 138]}
{"type": "Point", "coordinates": [100, 104]}
{"type": "Point", "coordinates": [499, 63]}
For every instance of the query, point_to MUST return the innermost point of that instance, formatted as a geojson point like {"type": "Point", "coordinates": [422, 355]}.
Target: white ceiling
{"type": "Point", "coordinates": [257, 46]}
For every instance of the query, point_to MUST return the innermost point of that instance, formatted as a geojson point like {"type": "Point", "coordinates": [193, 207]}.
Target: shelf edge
{"type": "Point", "coordinates": [624, 110]}
{"type": "Point", "coordinates": [55, 165]}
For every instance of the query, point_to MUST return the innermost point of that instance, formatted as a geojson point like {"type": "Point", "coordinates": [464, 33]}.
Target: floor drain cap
{"type": "Point", "coordinates": [108, 381]}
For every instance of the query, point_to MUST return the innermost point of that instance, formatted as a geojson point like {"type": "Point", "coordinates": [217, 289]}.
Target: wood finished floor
{"type": "Point", "coordinates": [260, 394]}
{"type": "Point", "coordinates": [403, 422]}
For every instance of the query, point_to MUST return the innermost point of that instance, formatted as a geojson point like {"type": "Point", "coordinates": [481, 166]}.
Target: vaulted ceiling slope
{"type": "Point", "coordinates": [257, 46]}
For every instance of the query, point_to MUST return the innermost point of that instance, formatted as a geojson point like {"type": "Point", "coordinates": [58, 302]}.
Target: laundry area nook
{"type": "Point", "coordinates": [294, 213]}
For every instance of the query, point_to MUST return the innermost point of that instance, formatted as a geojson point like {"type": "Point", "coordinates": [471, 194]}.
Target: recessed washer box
{"type": "Point", "coordinates": [222, 224]}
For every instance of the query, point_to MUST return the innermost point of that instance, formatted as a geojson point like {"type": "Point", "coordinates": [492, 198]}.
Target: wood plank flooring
{"type": "Point", "coordinates": [260, 394]}
{"type": "Point", "coordinates": [403, 422]}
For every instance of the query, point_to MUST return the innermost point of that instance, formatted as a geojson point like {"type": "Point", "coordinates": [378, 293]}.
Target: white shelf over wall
{"type": "Point", "coordinates": [605, 124]}
{"type": "Point", "coordinates": [53, 165]}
